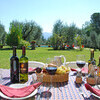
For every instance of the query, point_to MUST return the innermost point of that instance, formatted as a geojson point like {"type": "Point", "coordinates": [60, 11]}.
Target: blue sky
{"type": "Point", "coordinates": [46, 12]}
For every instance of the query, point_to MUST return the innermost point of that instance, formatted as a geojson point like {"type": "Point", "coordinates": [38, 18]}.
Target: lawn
{"type": "Point", "coordinates": [42, 53]}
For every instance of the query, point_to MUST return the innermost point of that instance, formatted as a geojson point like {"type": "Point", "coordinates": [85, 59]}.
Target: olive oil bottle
{"type": "Point", "coordinates": [91, 60]}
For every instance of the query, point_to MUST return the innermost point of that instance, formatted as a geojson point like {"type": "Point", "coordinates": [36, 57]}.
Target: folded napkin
{"type": "Point", "coordinates": [31, 69]}
{"type": "Point", "coordinates": [72, 69]}
{"type": "Point", "coordinates": [18, 92]}
{"type": "Point", "coordinates": [84, 70]}
{"type": "Point", "coordinates": [93, 90]}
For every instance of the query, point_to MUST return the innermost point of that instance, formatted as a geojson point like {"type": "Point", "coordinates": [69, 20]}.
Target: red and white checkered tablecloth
{"type": "Point", "coordinates": [60, 91]}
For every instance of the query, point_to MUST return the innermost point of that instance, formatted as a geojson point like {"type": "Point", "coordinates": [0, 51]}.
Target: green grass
{"type": "Point", "coordinates": [41, 54]}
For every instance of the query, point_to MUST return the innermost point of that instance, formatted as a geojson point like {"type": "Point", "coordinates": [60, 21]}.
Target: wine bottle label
{"type": "Point", "coordinates": [91, 80]}
{"type": "Point", "coordinates": [78, 79]}
{"type": "Point", "coordinates": [98, 72]}
{"type": "Point", "coordinates": [98, 80]}
{"type": "Point", "coordinates": [14, 64]}
{"type": "Point", "coordinates": [23, 68]}
{"type": "Point", "coordinates": [89, 68]}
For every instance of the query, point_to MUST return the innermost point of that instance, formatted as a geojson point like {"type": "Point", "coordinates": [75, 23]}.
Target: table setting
{"type": "Point", "coordinates": [53, 81]}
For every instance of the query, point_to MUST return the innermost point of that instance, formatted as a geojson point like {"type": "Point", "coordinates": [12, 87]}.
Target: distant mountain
{"type": "Point", "coordinates": [47, 35]}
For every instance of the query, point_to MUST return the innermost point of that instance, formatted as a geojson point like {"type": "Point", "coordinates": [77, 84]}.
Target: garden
{"type": "Point", "coordinates": [65, 38]}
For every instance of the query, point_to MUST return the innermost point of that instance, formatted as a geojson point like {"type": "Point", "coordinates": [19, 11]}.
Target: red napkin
{"type": "Point", "coordinates": [20, 92]}
{"type": "Point", "coordinates": [30, 69]}
{"type": "Point", "coordinates": [72, 69]}
{"type": "Point", "coordinates": [84, 70]}
{"type": "Point", "coordinates": [93, 90]}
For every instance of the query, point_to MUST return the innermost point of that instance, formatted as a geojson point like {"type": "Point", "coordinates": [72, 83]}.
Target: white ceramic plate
{"type": "Point", "coordinates": [18, 86]}
{"type": "Point", "coordinates": [95, 94]}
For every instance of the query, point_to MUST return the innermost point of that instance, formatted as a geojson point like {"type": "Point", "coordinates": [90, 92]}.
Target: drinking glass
{"type": "Point", "coordinates": [80, 61]}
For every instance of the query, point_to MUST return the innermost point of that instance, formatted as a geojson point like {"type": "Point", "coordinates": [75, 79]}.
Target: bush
{"type": "Point", "coordinates": [23, 43]}
{"type": "Point", "coordinates": [33, 44]}
{"type": "Point", "coordinates": [1, 45]}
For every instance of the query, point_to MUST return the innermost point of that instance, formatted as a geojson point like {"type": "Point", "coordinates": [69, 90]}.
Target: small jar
{"type": "Point", "coordinates": [79, 78]}
{"type": "Point", "coordinates": [91, 80]}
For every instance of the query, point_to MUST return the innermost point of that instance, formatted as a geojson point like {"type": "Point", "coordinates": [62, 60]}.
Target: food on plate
{"type": "Point", "coordinates": [52, 65]}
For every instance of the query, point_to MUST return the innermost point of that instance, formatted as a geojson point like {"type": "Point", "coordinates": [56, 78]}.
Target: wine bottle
{"type": "Point", "coordinates": [23, 66]}
{"type": "Point", "coordinates": [14, 67]}
{"type": "Point", "coordinates": [98, 69]}
{"type": "Point", "coordinates": [91, 60]}
{"type": "Point", "coordinates": [91, 79]}
{"type": "Point", "coordinates": [98, 72]}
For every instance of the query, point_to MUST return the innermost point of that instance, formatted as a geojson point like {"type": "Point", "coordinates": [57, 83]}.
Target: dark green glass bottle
{"type": "Point", "coordinates": [23, 66]}
{"type": "Point", "coordinates": [14, 67]}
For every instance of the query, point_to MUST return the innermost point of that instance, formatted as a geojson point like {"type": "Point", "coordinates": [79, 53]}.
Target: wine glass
{"type": "Point", "coordinates": [80, 61]}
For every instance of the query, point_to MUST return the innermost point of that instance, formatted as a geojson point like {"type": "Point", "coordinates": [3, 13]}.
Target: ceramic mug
{"type": "Point", "coordinates": [59, 61]}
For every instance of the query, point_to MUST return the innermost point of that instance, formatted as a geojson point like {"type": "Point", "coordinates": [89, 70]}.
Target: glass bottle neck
{"type": "Point", "coordinates": [23, 51]}
{"type": "Point", "coordinates": [99, 60]}
{"type": "Point", "coordinates": [92, 55]}
{"type": "Point", "coordinates": [14, 51]}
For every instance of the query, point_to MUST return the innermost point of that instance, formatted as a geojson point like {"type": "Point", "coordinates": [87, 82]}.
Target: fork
{"type": "Point", "coordinates": [38, 94]}
{"type": "Point", "coordinates": [81, 92]}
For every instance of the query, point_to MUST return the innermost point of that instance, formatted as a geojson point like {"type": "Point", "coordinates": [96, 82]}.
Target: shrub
{"type": "Point", "coordinates": [33, 45]}
{"type": "Point", "coordinates": [23, 43]}
{"type": "Point", "coordinates": [1, 45]}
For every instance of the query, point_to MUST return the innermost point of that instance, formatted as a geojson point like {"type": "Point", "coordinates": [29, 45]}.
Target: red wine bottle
{"type": "Point", "coordinates": [14, 67]}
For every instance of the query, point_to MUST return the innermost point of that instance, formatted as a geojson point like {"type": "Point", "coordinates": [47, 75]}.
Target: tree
{"type": "Point", "coordinates": [15, 34]}
{"type": "Point", "coordinates": [93, 37]}
{"type": "Point", "coordinates": [31, 31]}
{"type": "Point", "coordinates": [55, 41]}
{"type": "Point", "coordinates": [95, 21]}
{"type": "Point", "coordinates": [98, 41]}
{"type": "Point", "coordinates": [72, 30]}
{"type": "Point", "coordinates": [57, 28]}
{"type": "Point", "coordinates": [2, 34]}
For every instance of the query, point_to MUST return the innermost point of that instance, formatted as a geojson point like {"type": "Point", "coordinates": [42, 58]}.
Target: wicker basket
{"type": "Point", "coordinates": [55, 78]}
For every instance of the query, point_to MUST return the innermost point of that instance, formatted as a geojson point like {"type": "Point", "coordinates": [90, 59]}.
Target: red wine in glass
{"type": "Point", "coordinates": [80, 64]}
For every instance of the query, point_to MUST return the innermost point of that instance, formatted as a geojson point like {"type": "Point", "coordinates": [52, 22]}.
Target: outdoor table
{"type": "Point", "coordinates": [61, 91]}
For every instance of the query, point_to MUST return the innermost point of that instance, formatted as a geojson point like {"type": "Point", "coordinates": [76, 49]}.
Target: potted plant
{"type": "Point", "coordinates": [33, 44]}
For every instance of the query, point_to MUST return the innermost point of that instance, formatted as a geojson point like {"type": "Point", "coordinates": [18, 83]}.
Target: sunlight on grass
{"type": "Point", "coordinates": [42, 53]}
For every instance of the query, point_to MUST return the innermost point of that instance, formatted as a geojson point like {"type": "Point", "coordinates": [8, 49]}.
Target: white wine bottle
{"type": "Point", "coordinates": [23, 66]}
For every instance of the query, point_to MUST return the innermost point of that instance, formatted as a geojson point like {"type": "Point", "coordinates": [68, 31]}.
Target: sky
{"type": "Point", "coordinates": [46, 12]}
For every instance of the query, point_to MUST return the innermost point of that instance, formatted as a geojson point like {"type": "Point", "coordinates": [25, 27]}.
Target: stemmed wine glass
{"type": "Point", "coordinates": [80, 61]}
